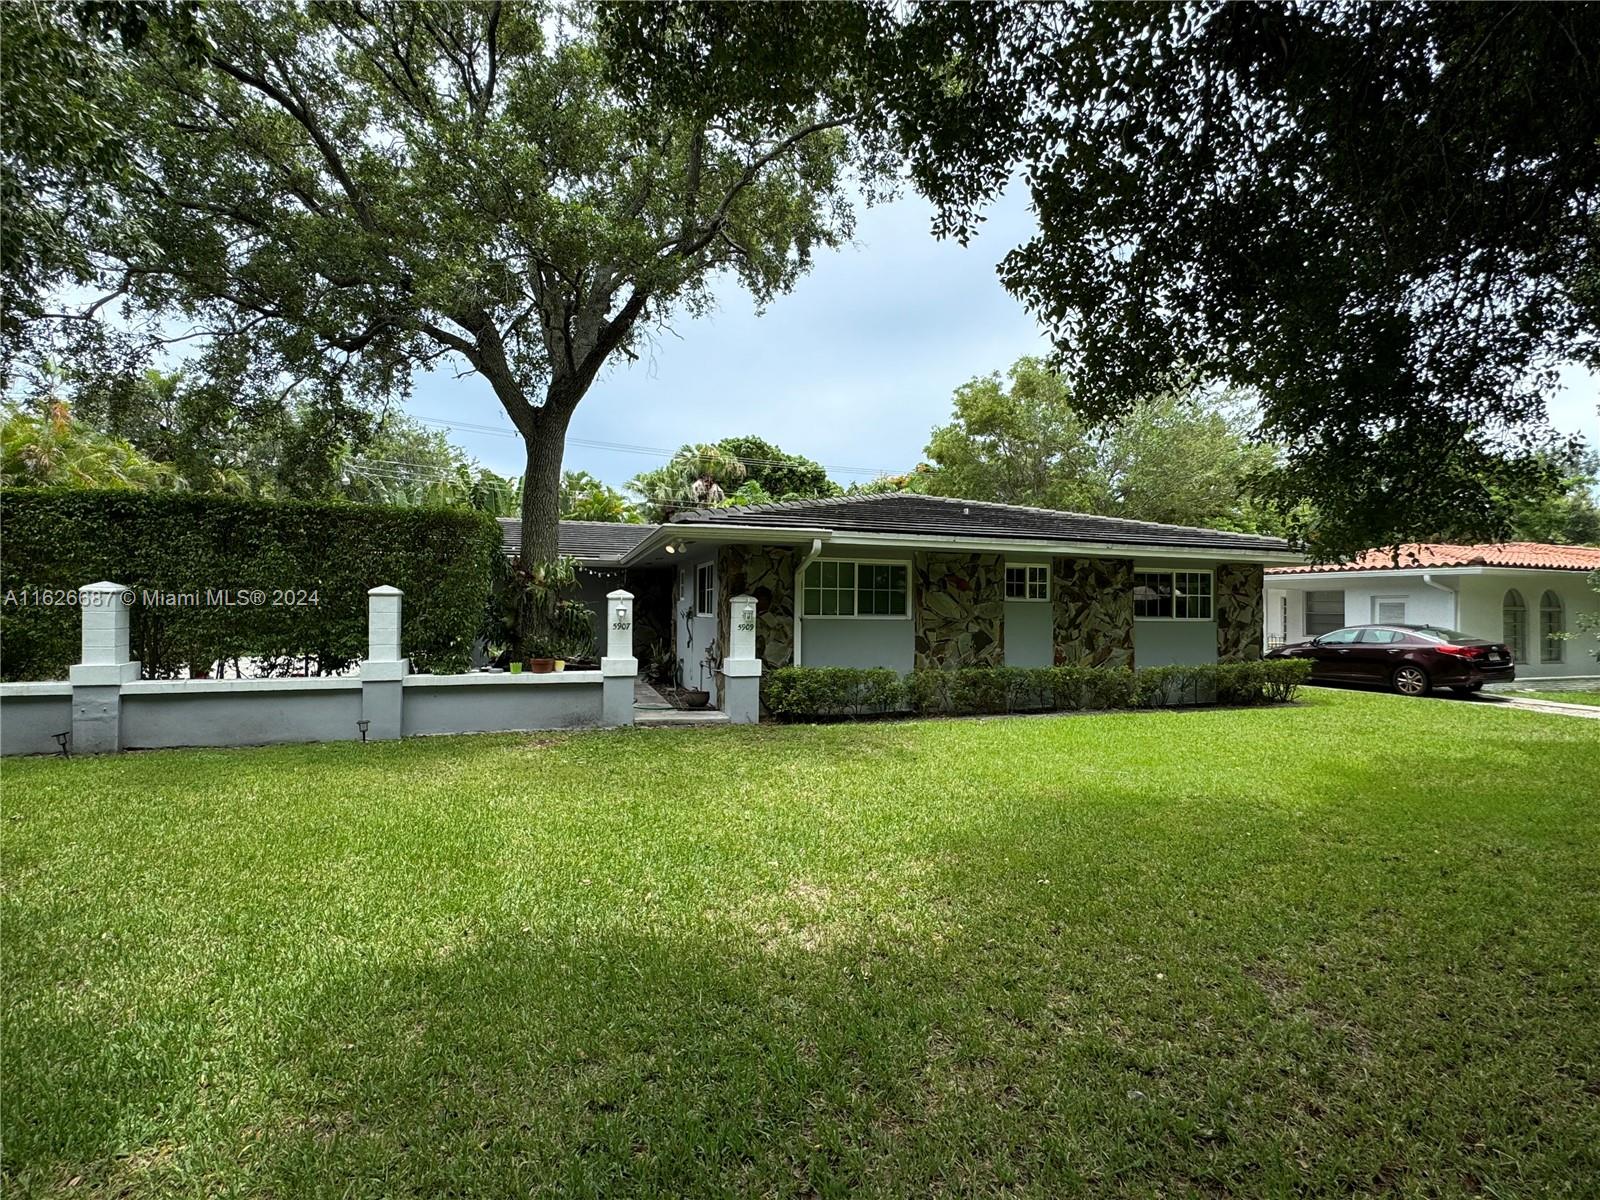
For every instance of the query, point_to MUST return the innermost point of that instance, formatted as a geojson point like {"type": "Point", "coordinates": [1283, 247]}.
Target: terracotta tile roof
{"type": "Point", "coordinates": [1424, 555]}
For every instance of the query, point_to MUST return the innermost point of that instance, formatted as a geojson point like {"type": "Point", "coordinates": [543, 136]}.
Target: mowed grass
{"type": "Point", "coordinates": [1351, 946]}
{"type": "Point", "coordinates": [1561, 697]}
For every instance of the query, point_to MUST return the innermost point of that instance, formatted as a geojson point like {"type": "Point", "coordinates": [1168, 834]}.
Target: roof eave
{"type": "Point", "coordinates": [722, 533]}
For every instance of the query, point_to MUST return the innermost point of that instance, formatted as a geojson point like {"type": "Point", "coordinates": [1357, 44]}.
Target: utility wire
{"type": "Point", "coordinates": [650, 451]}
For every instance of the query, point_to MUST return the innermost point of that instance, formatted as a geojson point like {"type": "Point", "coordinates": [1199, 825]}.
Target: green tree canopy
{"type": "Point", "coordinates": [351, 191]}
{"type": "Point", "coordinates": [585, 498]}
{"type": "Point", "coordinates": [1176, 460]}
{"type": "Point", "coordinates": [779, 475]}
{"type": "Point", "coordinates": [1383, 219]}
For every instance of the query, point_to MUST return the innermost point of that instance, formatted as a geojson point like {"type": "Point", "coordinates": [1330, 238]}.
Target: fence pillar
{"type": "Point", "coordinates": [619, 668]}
{"type": "Point", "coordinates": [741, 669]}
{"type": "Point", "coordinates": [383, 671]}
{"type": "Point", "coordinates": [106, 665]}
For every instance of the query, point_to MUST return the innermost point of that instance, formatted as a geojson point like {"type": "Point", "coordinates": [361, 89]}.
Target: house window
{"type": "Point", "coordinates": [1552, 625]}
{"type": "Point", "coordinates": [1514, 624]}
{"type": "Point", "coordinates": [1324, 612]}
{"type": "Point", "coordinates": [1389, 610]}
{"type": "Point", "coordinates": [1172, 595]}
{"type": "Point", "coordinates": [855, 589]}
{"type": "Point", "coordinates": [705, 590]}
{"type": "Point", "coordinates": [1027, 581]}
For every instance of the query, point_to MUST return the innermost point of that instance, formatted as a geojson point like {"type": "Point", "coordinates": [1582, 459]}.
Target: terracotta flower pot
{"type": "Point", "coordinates": [541, 666]}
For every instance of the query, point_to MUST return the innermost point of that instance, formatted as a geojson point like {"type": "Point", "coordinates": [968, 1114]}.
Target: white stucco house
{"type": "Point", "coordinates": [1526, 594]}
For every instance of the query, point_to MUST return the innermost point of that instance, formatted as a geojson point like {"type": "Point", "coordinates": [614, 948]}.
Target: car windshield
{"type": "Point", "coordinates": [1444, 635]}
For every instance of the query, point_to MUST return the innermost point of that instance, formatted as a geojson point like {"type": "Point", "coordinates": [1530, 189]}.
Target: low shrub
{"type": "Point", "coordinates": [797, 693]}
{"type": "Point", "coordinates": [811, 693]}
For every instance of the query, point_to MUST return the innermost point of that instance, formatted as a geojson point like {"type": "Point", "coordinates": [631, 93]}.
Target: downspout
{"type": "Point", "coordinates": [800, 593]}
{"type": "Point", "coordinates": [1455, 599]}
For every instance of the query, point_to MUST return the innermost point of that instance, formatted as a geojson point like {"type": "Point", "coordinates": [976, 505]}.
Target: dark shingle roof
{"type": "Point", "coordinates": [591, 540]}
{"type": "Point", "coordinates": [901, 512]}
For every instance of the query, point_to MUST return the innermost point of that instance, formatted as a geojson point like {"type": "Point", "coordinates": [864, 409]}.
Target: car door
{"type": "Point", "coordinates": [1376, 654]}
{"type": "Point", "coordinates": [1331, 655]}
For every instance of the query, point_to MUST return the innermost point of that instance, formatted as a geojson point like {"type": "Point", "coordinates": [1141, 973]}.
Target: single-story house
{"type": "Point", "coordinates": [1526, 594]}
{"type": "Point", "coordinates": [908, 581]}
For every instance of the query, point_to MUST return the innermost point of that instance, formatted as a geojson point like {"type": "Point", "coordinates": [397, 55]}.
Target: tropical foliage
{"type": "Point", "coordinates": [585, 498]}
{"type": "Point", "coordinates": [54, 449]}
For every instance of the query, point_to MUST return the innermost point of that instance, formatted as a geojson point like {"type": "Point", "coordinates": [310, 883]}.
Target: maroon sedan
{"type": "Point", "coordinates": [1412, 659]}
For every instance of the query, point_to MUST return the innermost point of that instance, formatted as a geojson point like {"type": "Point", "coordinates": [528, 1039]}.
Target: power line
{"type": "Point", "coordinates": [648, 451]}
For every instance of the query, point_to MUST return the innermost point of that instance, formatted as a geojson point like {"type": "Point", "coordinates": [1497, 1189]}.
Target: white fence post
{"type": "Point", "coordinates": [741, 669]}
{"type": "Point", "coordinates": [97, 680]}
{"type": "Point", "coordinates": [619, 668]}
{"type": "Point", "coordinates": [383, 672]}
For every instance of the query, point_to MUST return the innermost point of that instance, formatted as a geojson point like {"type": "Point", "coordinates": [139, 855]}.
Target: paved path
{"type": "Point", "coordinates": [1590, 711]}
{"type": "Point", "coordinates": [650, 707]}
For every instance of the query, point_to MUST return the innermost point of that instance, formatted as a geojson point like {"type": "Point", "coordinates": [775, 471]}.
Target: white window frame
{"type": "Point", "coordinates": [708, 590]}
{"type": "Point", "coordinates": [1379, 601]}
{"type": "Point", "coordinates": [858, 563]}
{"type": "Point", "coordinates": [1027, 569]}
{"type": "Point", "coordinates": [1552, 645]}
{"type": "Point", "coordinates": [1211, 592]}
{"type": "Point", "coordinates": [1516, 639]}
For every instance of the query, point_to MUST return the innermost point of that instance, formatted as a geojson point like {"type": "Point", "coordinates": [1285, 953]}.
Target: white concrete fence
{"type": "Point", "coordinates": [104, 706]}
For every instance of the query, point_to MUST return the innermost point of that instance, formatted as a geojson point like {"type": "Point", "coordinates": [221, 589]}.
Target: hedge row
{"type": "Point", "coordinates": [303, 570]}
{"type": "Point", "coordinates": [808, 693]}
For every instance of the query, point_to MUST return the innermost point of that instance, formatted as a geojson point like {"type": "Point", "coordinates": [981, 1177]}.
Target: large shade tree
{"type": "Point", "coordinates": [354, 190]}
{"type": "Point", "coordinates": [1382, 218]}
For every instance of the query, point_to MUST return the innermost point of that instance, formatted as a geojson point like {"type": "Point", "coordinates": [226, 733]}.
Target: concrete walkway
{"type": "Point", "coordinates": [1528, 703]}
{"type": "Point", "coordinates": [650, 707]}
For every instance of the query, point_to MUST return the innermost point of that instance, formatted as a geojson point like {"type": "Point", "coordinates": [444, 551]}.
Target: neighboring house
{"type": "Point", "coordinates": [1526, 594]}
{"type": "Point", "coordinates": [906, 581]}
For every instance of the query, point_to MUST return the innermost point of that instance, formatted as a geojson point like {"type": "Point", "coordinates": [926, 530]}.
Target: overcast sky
{"type": "Point", "coordinates": [852, 369]}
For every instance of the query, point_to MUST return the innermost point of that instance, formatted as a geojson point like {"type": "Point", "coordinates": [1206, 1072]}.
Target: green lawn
{"type": "Point", "coordinates": [1348, 947]}
{"type": "Point", "coordinates": [1560, 697]}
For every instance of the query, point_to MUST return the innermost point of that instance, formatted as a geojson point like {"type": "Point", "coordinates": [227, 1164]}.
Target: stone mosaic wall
{"type": "Point", "coordinates": [767, 573]}
{"type": "Point", "coordinates": [958, 603]}
{"type": "Point", "coordinates": [1093, 603]}
{"type": "Point", "coordinates": [1239, 612]}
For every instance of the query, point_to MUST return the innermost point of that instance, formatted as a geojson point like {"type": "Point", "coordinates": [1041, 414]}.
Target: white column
{"type": "Point", "coordinates": [383, 624]}
{"type": "Point", "coordinates": [97, 680]}
{"type": "Point", "coordinates": [619, 667]}
{"type": "Point", "coordinates": [741, 669]}
{"type": "Point", "coordinates": [383, 672]}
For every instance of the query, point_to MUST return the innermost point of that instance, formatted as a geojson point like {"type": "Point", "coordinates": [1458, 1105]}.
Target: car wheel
{"type": "Point", "coordinates": [1411, 681]}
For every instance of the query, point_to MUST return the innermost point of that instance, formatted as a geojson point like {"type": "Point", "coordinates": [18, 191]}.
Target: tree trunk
{"type": "Point", "coordinates": [541, 486]}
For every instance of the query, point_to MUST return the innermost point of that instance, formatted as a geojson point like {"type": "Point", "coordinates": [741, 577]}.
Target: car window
{"type": "Point", "coordinates": [1339, 637]}
{"type": "Point", "coordinates": [1436, 633]}
{"type": "Point", "coordinates": [1381, 637]}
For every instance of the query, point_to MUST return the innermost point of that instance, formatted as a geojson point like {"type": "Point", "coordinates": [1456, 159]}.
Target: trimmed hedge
{"type": "Point", "coordinates": [811, 693]}
{"type": "Point", "coordinates": [59, 540]}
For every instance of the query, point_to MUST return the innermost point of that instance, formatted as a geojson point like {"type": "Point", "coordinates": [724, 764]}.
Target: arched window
{"type": "Point", "coordinates": [1514, 614]}
{"type": "Point", "coordinates": [1552, 624]}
